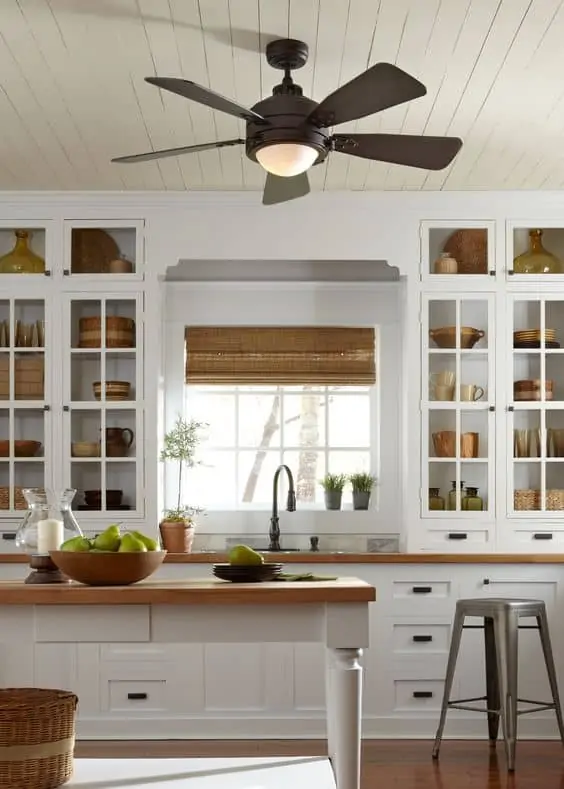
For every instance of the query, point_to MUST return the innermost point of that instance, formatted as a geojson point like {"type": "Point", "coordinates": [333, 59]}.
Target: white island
{"type": "Point", "coordinates": [333, 613]}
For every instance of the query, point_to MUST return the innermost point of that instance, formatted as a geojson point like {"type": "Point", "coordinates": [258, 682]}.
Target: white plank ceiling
{"type": "Point", "coordinates": [72, 90]}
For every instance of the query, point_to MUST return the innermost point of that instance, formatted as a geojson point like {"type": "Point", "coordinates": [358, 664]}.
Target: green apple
{"type": "Point", "coordinates": [109, 540]}
{"type": "Point", "coordinates": [242, 554]}
{"type": "Point", "coordinates": [131, 544]}
{"type": "Point", "coordinates": [148, 542]}
{"type": "Point", "coordinates": [76, 544]}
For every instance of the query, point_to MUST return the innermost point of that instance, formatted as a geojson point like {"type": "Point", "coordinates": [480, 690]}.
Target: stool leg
{"type": "Point", "coordinates": [507, 635]}
{"type": "Point", "coordinates": [451, 665]}
{"type": "Point", "coordinates": [492, 680]}
{"type": "Point", "coordinates": [542, 623]}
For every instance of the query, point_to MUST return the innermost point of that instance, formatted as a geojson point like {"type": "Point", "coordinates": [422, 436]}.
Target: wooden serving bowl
{"type": "Point", "coordinates": [115, 390]}
{"type": "Point", "coordinates": [445, 337]}
{"type": "Point", "coordinates": [22, 449]}
{"type": "Point", "coordinates": [107, 568]}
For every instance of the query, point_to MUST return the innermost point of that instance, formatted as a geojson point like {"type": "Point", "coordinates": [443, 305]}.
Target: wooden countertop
{"type": "Point", "coordinates": [307, 557]}
{"type": "Point", "coordinates": [194, 592]}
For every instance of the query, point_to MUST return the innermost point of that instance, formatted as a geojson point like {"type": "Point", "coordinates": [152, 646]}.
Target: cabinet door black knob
{"type": "Point", "coordinates": [137, 696]}
{"type": "Point", "coordinates": [422, 639]}
{"type": "Point", "coordinates": [422, 694]}
{"type": "Point", "coordinates": [421, 589]}
{"type": "Point", "coordinates": [457, 535]}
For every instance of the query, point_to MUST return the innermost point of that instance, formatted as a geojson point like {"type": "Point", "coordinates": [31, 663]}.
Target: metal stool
{"type": "Point", "coordinates": [501, 625]}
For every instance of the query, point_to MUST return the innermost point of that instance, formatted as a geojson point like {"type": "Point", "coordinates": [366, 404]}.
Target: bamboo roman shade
{"type": "Point", "coordinates": [280, 356]}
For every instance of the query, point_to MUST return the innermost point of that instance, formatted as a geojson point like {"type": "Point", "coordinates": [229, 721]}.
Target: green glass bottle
{"type": "Point", "coordinates": [471, 501]}
{"type": "Point", "coordinates": [436, 501]}
{"type": "Point", "coordinates": [451, 500]}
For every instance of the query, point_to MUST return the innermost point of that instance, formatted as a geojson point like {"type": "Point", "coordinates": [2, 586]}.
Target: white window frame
{"type": "Point", "coordinates": [299, 304]}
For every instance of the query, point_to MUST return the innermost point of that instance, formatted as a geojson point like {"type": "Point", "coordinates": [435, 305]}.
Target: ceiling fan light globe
{"type": "Point", "coordinates": [286, 159]}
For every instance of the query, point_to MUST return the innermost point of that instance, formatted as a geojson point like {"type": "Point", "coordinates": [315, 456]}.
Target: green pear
{"type": "Point", "coordinates": [148, 542]}
{"type": "Point", "coordinates": [242, 554]}
{"type": "Point", "coordinates": [76, 544]}
{"type": "Point", "coordinates": [109, 540]}
{"type": "Point", "coordinates": [131, 544]}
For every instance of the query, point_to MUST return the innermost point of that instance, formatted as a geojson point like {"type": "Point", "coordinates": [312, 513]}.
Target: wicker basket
{"type": "Point", "coordinates": [120, 332]}
{"type": "Point", "coordinates": [19, 500]}
{"type": "Point", "coordinates": [526, 499]}
{"type": "Point", "coordinates": [555, 499]}
{"type": "Point", "coordinates": [36, 737]}
{"type": "Point", "coordinates": [30, 377]}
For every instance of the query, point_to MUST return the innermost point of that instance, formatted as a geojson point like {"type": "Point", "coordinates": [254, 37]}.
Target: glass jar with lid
{"type": "Point", "coordinates": [436, 501]}
{"type": "Point", "coordinates": [451, 499]}
{"type": "Point", "coordinates": [471, 501]}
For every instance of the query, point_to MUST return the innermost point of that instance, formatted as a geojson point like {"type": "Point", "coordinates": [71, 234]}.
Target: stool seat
{"type": "Point", "coordinates": [501, 636]}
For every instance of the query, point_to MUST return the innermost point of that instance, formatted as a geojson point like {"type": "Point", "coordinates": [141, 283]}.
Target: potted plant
{"type": "Point", "coordinates": [180, 445]}
{"type": "Point", "coordinates": [333, 485]}
{"type": "Point", "coordinates": [362, 484]}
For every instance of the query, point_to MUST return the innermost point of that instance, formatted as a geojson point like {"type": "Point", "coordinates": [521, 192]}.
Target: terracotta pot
{"type": "Point", "coordinates": [177, 536]}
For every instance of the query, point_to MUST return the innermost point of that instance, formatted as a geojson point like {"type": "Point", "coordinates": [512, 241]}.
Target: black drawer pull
{"type": "Point", "coordinates": [9, 535]}
{"type": "Point", "coordinates": [422, 639]}
{"type": "Point", "coordinates": [421, 589]}
{"type": "Point", "coordinates": [457, 535]}
{"type": "Point", "coordinates": [422, 694]}
{"type": "Point", "coordinates": [542, 536]}
{"type": "Point", "coordinates": [137, 696]}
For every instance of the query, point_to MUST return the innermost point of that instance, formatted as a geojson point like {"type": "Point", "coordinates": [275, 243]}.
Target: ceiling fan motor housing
{"type": "Point", "coordinates": [286, 116]}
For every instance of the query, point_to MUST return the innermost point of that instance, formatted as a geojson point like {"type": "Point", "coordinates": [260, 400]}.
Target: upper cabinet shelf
{"type": "Point", "coordinates": [457, 251]}
{"type": "Point", "coordinates": [105, 251]}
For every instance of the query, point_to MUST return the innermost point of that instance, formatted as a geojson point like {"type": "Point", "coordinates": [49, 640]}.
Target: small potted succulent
{"type": "Point", "coordinates": [362, 484]}
{"type": "Point", "coordinates": [180, 445]}
{"type": "Point", "coordinates": [333, 485]}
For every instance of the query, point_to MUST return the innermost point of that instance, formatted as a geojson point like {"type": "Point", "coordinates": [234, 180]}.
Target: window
{"type": "Point", "coordinates": [302, 396]}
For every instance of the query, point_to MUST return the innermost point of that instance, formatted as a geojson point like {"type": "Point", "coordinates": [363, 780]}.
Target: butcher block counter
{"type": "Point", "coordinates": [343, 557]}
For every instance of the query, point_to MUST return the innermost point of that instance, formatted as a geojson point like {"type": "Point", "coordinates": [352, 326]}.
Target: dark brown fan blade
{"type": "Point", "coordinates": [148, 157]}
{"type": "Point", "coordinates": [280, 190]}
{"type": "Point", "coordinates": [428, 153]}
{"type": "Point", "coordinates": [382, 86]}
{"type": "Point", "coordinates": [190, 90]}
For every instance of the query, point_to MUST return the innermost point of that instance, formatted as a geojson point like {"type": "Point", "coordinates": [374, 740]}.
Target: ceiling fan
{"type": "Point", "coordinates": [287, 133]}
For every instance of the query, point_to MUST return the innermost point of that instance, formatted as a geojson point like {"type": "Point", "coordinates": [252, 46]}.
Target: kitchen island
{"type": "Point", "coordinates": [333, 613]}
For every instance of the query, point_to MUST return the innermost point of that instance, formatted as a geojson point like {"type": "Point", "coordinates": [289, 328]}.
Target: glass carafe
{"type": "Point", "coordinates": [48, 522]}
{"type": "Point", "coordinates": [537, 259]}
{"type": "Point", "coordinates": [21, 260]}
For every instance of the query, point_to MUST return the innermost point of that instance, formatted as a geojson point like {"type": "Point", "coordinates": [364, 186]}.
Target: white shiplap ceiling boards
{"type": "Point", "coordinates": [72, 90]}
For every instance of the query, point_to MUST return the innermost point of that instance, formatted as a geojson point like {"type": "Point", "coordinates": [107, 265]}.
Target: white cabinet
{"type": "Point", "coordinates": [492, 392]}
{"type": "Point", "coordinates": [72, 368]}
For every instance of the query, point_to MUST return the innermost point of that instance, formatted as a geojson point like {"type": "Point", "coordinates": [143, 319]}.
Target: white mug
{"type": "Point", "coordinates": [471, 392]}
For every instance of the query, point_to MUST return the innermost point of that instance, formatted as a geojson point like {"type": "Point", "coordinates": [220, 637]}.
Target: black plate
{"type": "Point", "coordinates": [245, 573]}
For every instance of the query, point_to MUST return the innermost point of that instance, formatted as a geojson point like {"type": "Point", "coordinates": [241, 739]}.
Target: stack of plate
{"type": "Point", "coordinates": [247, 573]}
{"type": "Point", "coordinates": [531, 338]}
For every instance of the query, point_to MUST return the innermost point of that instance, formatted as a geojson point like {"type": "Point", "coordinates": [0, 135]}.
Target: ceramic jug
{"type": "Point", "coordinates": [118, 441]}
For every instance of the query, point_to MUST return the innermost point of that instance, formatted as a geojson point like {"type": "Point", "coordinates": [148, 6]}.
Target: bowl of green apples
{"type": "Point", "coordinates": [111, 558]}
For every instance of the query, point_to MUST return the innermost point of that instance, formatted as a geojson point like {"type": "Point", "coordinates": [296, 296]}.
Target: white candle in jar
{"type": "Point", "coordinates": [50, 535]}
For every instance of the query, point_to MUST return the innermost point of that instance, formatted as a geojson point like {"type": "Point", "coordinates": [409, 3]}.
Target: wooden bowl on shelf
{"type": "Point", "coordinates": [445, 336]}
{"type": "Point", "coordinates": [115, 390]}
{"type": "Point", "coordinates": [85, 449]}
{"type": "Point", "coordinates": [22, 449]}
{"type": "Point", "coordinates": [107, 568]}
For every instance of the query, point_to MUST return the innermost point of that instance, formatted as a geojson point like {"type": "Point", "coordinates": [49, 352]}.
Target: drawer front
{"type": "Point", "coordinates": [422, 597]}
{"type": "Point", "coordinates": [422, 695]}
{"type": "Point", "coordinates": [418, 640]}
{"type": "Point", "coordinates": [458, 540]}
{"type": "Point", "coordinates": [135, 697]}
{"type": "Point", "coordinates": [541, 540]}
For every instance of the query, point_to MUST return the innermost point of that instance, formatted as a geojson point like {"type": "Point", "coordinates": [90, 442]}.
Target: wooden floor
{"type": "Point", "coordinates": [387, 764]}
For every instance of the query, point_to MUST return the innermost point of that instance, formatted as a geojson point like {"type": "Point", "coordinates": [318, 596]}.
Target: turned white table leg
{"type": "Point", "coordinates": [345, 710]}
{"type": "Point", "coordinates": [330, 705]}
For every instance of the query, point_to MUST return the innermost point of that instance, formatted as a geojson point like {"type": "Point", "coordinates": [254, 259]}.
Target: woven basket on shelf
{"type": "Point", "coordinates": [526, 499]}
{"type": "Point", "coordinates": [19, 500]}
{"type": "Point", "coordinates": [120, 332]}
{"type": "Point", "coordinates": [36, 737]}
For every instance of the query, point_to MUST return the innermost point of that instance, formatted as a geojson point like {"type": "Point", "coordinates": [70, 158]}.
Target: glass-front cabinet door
{"type": "Point", "coordinates": [457, 403]}
{"type": "Point", "coordinates": [457, 251]}
{"type": "Point", "coordinates": [110, 250]}
{"type": "Point", "coordinates": [25, 416]}
{"type": "Point", "coordinates": [103, 403]}
{"type": "Point", "coordinates": [536, 407]}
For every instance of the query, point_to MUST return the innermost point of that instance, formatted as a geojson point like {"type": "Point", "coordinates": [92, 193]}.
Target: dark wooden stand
{"type": "Point", "coordinates": [44, 571]}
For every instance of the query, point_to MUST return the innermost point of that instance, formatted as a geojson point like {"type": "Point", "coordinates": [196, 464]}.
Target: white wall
{"type": "Point", "coordinates": [303, 303]}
